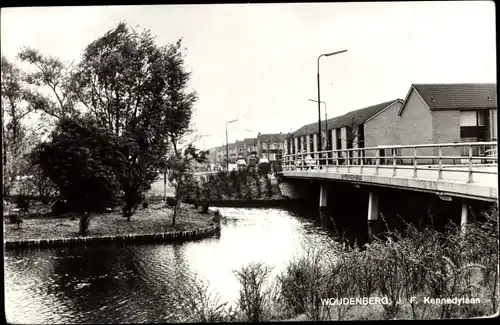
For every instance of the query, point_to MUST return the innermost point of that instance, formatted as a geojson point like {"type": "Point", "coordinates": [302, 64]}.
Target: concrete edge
{"type": "Point", "coordinates": [171, 236]}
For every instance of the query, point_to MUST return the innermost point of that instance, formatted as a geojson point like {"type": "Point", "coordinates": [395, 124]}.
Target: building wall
{"type": "Point", "coordinates": [446, 129]}
{"type": "Point", "coordinates": [414, 126]}
{"type": "Point", "coordinates": [382, 129]}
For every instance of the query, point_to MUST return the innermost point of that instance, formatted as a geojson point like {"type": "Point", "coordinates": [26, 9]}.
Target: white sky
{"type": "Point", "coordinates": [257, 63]}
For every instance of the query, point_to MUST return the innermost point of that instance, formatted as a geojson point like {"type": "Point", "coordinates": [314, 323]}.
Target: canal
{"type": "Point", "coordinates": [138, 283]}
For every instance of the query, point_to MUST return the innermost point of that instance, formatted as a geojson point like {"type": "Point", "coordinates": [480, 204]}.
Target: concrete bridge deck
{"type": "Point", "coordinates": [477, 179]}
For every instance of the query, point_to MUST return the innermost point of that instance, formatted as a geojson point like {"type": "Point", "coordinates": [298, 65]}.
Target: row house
{"type": "Point", "coordinates": [448, 113]}
{"type": "Point", "coordinates": [250, 146]}
{"type": "Point", "coordinates": [271, 146]}
{"type": "Point", "coordinates": [342, 132]}
{"type": "Point", "coordinates": [429, 114]}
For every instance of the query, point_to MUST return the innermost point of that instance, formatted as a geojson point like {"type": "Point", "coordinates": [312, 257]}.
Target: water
{"type": "Point", "coordinates": [137, 283]}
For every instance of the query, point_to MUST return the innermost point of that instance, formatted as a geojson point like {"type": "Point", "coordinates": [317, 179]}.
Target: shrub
{"type": "Point", "coordinates": [269, 187]}
{"type": "Point", "coordinates": [254, 300]}
{"type": "Point", "coordinates": [197, 304]}
{"type": "Point", "coordinates": [258, 184]}
{"type": "Point", "coordinates": [23, 203]}
{"type": "Point", "coordinates": [305, 282]}
{"type": "Point", "coordinates": [171, 201]}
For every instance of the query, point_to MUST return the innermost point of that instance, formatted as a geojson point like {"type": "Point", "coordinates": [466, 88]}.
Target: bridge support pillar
{"type": "Point", "coordinates": [323, 194]}
{"type": "Point", "coordinates": [464, 216]}
{"type": "Point", "coordinates": [373, 222]}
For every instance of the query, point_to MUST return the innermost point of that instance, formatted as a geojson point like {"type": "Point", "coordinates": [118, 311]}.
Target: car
{"type": "Point", "coordinates": [491, 153]}
{"type": "Point", "coordinates": [242, 164]}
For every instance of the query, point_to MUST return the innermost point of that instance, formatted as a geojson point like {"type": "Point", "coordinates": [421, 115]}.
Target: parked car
{"type": "Point", "coordinates": [306, 162]}
{"type": "Point", "coordinates": [491, 153]}
{"type": "Point", "coordinates": [242, 164]}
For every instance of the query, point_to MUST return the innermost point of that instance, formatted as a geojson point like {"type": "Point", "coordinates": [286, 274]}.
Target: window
{"type": "Point", "coordinates": [480, 118]}
{"type": "Point", "coordinates": [468, 118]}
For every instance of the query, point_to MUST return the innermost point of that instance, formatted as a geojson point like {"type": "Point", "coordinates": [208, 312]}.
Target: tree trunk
{"type": "Point", "coordinates": [165, 186]}
{"type": "Point", "coordinates": [84, 223]}
{"type": "Point", "coordinates": [175, 214]}
{"type": "Point", "coordinates": [204, 207]}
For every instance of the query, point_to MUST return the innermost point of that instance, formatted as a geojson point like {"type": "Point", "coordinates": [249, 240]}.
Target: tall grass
{"type": "Point", "coordinates": [400, 267]}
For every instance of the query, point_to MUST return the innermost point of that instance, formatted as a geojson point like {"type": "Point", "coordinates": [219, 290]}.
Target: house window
{"type": "Point", "coordinates": [468, 118]}
{"type": "Point", "coordinates": [480, 118]}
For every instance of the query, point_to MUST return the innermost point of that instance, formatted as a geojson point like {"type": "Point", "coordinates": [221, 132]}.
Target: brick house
{"type": "Point", "coordinates": [250, 145]}
{"type": "Point", "coordinates": [448, 113]}
{"type": "Point", "coordinates": [351, 130]}
{"type": "Point", "coordinates": [270, 146]}
{"type": "Point", "coordinates": [239, 149]}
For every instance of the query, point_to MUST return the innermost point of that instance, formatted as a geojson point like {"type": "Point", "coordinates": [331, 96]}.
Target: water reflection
{"type": "Point", "coordinates": [116, 284]}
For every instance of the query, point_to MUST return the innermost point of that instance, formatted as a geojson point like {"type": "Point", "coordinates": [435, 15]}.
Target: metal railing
{"type": "Point", "coordinates": [454, 157]}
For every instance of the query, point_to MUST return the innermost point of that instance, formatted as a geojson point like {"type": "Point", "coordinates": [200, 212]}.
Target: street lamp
{"type": "Point", "coordinates": [227, 145]}
{"type": "Point", "coordinates": [326, 119]}
{"type": "Point", "coordinates": [319, 97]}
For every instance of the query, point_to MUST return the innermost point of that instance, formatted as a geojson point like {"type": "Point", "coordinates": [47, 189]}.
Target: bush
{"type": "Point", "coordinates": [258, 184]}
{"type": "Point", "coordinates": [23, 203]}
{"type": "Point", "coordinates": [269, 187]}
{"type": "Point", "coordinates": [196, 304]}
{"type": "Point", "coordinates": [171, 201]}
{"type": "Point", "coordinates": [254, 300]}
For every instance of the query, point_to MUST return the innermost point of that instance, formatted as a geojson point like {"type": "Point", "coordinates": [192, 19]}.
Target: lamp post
{"type": "Point", "coordinates": [319, 97]}
{"type": "Point", "coordinates": [227, 145]}
{"type": "Point", "coordinates": [326, 119]}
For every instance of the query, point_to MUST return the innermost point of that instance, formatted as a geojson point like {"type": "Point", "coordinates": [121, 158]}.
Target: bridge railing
{"type": "Point", "coordinates": [455, 157]}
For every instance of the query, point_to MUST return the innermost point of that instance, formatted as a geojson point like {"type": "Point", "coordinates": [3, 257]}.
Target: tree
{"type": "Point", "coordinates": [181, 172]}
{"type": "Point", "coordinates": [353, 134]}
{"type": "Point", "coordinates": [80, 159]}
{"type": "Point", "coordinates": [176, 108]}
{"type": "Point", "coordinates": [121, 81]}
{"type": "Point", "coordinates": [38, 184]}
{"type": "Point", "coordinates": [16, 137]}
{"type": "Point", "coordinates": [49, 74]}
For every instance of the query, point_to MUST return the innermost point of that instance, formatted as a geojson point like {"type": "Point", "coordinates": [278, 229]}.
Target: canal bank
{"type": "Point", "coordinates": [151, 224]}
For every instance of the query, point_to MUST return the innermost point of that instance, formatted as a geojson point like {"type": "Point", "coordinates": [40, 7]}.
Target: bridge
{"type": "Point", "coordinates": [461, 170]}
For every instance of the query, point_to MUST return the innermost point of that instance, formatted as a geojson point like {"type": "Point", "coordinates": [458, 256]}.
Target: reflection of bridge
{"type": "Point", "coordinates": [442, 169]}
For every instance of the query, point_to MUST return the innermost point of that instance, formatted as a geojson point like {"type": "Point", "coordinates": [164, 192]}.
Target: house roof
{"type": "Point", "coordinates": [250, 141]}
{"type": "Point", "coordinates": [358, 117]}
{"type": "Point", "coordinates": [272, 137]}
{"type": "Point", "coordinates": [240, 143]}
{"type": "Point", "coordinates": [456, 96]}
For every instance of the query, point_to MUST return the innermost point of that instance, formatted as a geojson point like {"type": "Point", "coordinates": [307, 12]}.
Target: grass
{"type": "Point", "coordinates": [155, 219]}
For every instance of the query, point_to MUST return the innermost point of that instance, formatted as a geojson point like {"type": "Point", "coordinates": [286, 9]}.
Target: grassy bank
{"type": "Point", "coordinates": [403, 270]}
{"type": "Point", "coordinates": [155, 219]}
{"type": "Point", "coordinates": [236, 185]}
